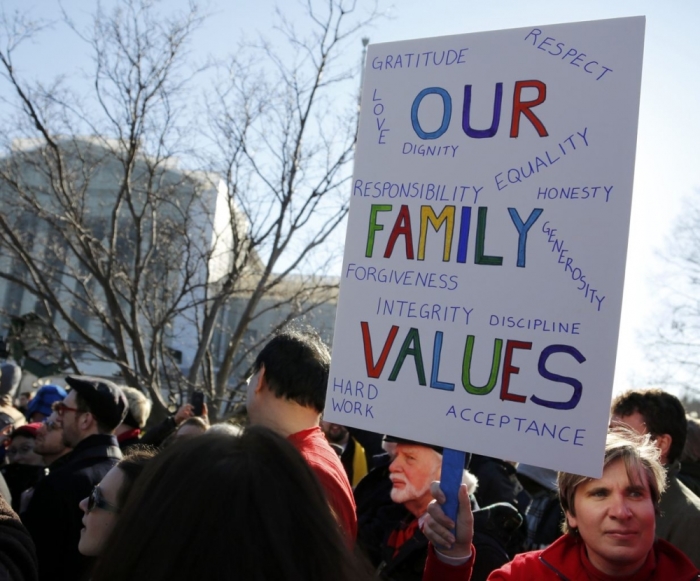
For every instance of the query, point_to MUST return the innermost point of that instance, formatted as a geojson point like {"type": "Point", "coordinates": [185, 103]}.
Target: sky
{"type": "Point", "coordinates": [667, 169]}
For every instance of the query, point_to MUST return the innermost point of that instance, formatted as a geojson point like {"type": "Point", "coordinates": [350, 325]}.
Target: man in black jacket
{"type": "Point", "coordinates": [90, 413]}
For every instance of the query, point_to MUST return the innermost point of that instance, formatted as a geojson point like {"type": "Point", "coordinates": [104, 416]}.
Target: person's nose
{"type": "Point", "coordinates": [83, 504]}
{"type": "Point", "coordinates": [396, 465]}
{"type": "Point", "coordinates": [620, 507]}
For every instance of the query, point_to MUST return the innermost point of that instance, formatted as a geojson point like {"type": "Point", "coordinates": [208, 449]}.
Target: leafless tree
{"type": "Point", "coordinates": [124, 254]}
{"type": "Point", "coordinates": [285, 147]}
{"type": "Point", "coordinates": [674, 343]}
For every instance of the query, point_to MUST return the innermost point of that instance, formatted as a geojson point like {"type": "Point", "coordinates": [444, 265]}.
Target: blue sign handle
{"type": "Point", "coordinates": [451, 478]}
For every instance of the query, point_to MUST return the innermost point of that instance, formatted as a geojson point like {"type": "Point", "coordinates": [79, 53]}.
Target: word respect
{"type": "Point", "coordinates": [572, 55]}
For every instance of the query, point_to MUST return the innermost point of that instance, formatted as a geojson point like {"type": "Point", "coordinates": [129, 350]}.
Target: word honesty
{"type": "Point", "coordinates": [411, 346]}
{"type": "Point", "coordinates": [446, 218]}
{"type": "Point", "coordinates": [519, 108]}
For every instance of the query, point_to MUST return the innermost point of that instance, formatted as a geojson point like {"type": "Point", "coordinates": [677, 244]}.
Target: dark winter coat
{"type": "Point", "coordinates": [17, 553]}
{"type": "Point", "coordinates": [53, 516]}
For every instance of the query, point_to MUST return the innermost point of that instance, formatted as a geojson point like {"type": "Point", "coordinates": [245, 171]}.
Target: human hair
{"type": "Point", "coordinates": [83, 407]}
{"type": "Point", "coordinates": [195, 421]}
{"type": "Point", "coordinates": [663, 413]}
{"type": "Point", "coordinates": [691, 450]}
{"type": "Point", "coordinates": [641, 457]}
{"type": "Point", "coordinates": [198, 501]}
{"type": "Point", "coordinates": [226, 428]}
{"type": "Point", "coordinates": [132, 466]}
{"type": "Point", "coordinates": [296, 363]}
{"type": "Point", "coordinates": [139, 407]}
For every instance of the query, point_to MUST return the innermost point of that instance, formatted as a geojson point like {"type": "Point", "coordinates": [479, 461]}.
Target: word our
{"type": "Point", "coordinates": [519, 108]}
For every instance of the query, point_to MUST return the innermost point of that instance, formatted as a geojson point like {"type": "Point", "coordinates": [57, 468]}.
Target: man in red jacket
{"type": "Point", "coordinates": [609, 527]}
{"type": "Point", "coordinates": [287, 393]}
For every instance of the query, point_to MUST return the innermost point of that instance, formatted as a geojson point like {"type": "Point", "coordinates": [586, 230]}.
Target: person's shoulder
{"type": "Point", "coordinates": [679, 504]}
{"type": "Point", "coordinates": [543, 562]}
{"type": "Point", "coordinates": [314, 447]}
{"type": "Point", "coordinates": [691, 498]}
{"type": "Point", "coordinates": [523, 566]}
{"type": "Point", "coordinates": [672, 563]}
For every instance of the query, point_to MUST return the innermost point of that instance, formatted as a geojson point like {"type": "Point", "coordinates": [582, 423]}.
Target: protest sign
{"type": "Point", "coordinates": [484, 262]}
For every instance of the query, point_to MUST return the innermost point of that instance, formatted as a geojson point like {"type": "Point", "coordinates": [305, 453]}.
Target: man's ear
{"type": "Point", "coordinates": [262, 380]}
{"type": "Point", "coordinates": [571, 520]}
{"type": "Point", "coordinates": [663, 443]}
{"type": "Point", "coordinates": [87, 420]}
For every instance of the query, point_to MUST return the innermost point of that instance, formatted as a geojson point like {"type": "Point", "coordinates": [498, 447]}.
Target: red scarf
{"type": "Point", "coordinates": [401, 535]}
{"type": "Point", "coordinates": [128, 435]}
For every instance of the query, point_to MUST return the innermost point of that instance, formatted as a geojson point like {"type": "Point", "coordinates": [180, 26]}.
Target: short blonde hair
{"type": "Point", "coordinates": [640, 456]}
{"type": "Point", "coordinates": [139, 407]}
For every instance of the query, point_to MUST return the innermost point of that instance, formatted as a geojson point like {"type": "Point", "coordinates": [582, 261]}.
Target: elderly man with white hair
{"type": "Point", "coordinates": [397, 526]}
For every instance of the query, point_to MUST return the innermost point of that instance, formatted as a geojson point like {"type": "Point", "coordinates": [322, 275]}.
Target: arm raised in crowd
{"type": "Point", "coordinates": [450, 556]}
{"type": "Point", "coordinates": [156, 435]}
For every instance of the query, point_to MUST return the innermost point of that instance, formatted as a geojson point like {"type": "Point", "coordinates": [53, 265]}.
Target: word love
{"type": "Point", "coordinates": [412, 347]}
{"type": "Point", "coordinates": [446, 219]}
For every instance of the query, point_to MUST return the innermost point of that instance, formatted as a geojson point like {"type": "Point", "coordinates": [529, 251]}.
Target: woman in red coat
{"type": "Point", "coordinates": [608, 531]}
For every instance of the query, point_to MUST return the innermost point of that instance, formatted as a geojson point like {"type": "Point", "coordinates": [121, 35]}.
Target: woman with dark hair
{"type": "Point", "coordinates": [103, 507]}
{"type": "Point", "coordinates": [235, 508]}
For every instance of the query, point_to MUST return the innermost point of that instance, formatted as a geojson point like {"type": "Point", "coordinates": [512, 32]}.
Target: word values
{"type": "Point", "coordinates": [412, 348]}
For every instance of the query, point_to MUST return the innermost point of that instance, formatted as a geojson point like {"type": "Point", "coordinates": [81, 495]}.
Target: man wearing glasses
{"type": "Point", "coordinates": [89, 414]}
{"type": "Point", "coordinates": [49, 445]}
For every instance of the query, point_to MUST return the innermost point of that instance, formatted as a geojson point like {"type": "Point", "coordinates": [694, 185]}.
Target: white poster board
{"type": "Point", "coordinates": [484, 262]}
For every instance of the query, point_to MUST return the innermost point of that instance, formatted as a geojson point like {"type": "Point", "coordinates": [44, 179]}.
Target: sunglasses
{"type": "Point", "coordinates": [96, 500]}
{"type": "Point", "coordinates": [60, 408]}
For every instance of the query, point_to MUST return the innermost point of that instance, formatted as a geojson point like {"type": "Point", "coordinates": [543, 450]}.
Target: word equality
{"type": "Point", "coordinates": [412, 347]}
{"type": "Point", "coordinates": [516, 175]}
{"type": "Point", "coordinates": [446, 219]}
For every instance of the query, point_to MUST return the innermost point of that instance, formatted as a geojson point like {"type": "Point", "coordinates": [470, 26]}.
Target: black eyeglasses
{"type": "Point", "coordinates": [96, 500]}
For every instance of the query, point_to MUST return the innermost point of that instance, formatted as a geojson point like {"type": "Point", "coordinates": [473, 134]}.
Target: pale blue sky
{"type": "Point", "coordinates": [668, 168]}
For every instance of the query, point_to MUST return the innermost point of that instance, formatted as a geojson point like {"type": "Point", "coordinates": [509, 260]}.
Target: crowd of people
{"type": "Point", "coordinates": [86, 493]}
